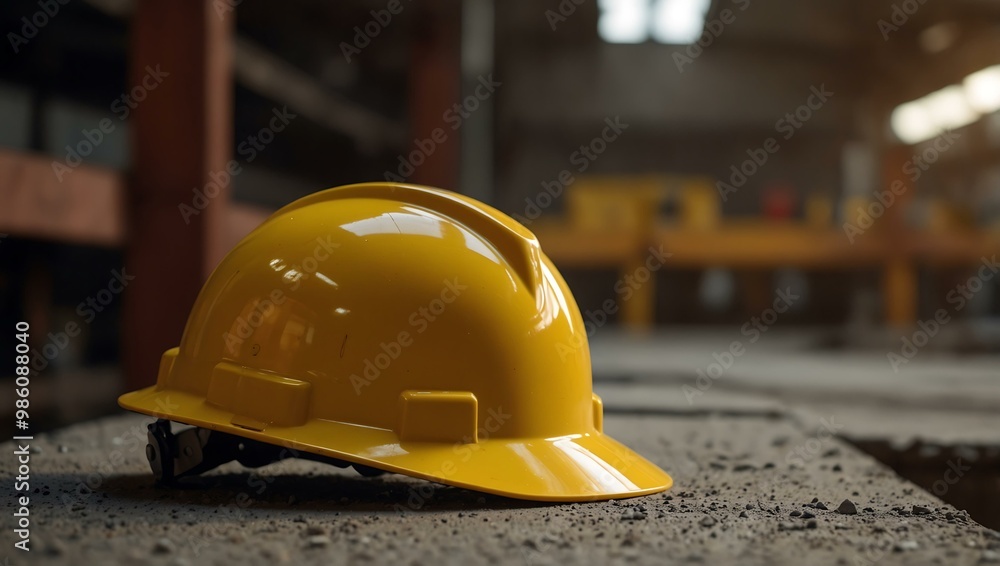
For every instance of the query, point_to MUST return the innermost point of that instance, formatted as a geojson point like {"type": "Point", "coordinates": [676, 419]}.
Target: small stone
{"type": "Point", "coordinates": [748, 506]}
{"type": "Point", "coordinates": [55, 548]}
{"type": "Point", "coordinates": [317, 541]}
{"type": "Point", "coordinates": [633, 515]}
{"type": "Point", "coordinates": [847, 507]}
{"type": "Point", "coordinates": [905, 545]}
{"type": "Point", "coordinates": [795, 513]}
{"type": "Point", "coordinates": [820, 506]}
{"type": "Point", "coordinates": [743, 515]}
{"type": "Point", "coordinates": [163, 546]}
{"type": "Point", "coordinates": [811, 524]}
{"type": "Point", "coordinates": [708, 521]}
{"type": "Point", "coordinates": [63, 449]}
{"type": "Point", "coordinates": [744, 467]}
{"type": "Point", "coordinates": [277, 553]}
{"type": "Point", "coordinates": [837, 468]}
{"type": "Point", "coordinates": [920, 510]}
{"type": "Point", "coordinates": [807, 515]}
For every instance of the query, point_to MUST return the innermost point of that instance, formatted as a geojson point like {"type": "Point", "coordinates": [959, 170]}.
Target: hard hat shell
{"type": "Point", "coordinates": [407, 329]}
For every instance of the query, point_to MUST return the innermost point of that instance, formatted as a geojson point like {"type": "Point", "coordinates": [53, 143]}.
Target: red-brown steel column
{"type": "Point", "coordinates": [181, 133]}
{"type": "Point", "coordinates": [434, 88]}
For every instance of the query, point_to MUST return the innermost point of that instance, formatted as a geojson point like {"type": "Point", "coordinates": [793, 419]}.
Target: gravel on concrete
{"type": "Point", "coordinates": [96, 503]}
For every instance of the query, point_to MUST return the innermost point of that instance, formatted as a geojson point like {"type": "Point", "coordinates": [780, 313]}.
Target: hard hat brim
{"type": "Point", "coordinates": [577, 467]}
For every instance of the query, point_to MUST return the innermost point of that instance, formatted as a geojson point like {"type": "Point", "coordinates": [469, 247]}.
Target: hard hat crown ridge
{"type": "Point", "coordinates": [395, 328]}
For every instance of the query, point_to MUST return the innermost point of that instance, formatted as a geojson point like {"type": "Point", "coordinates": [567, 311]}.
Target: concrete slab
{"type": "Point", "coordinates": [935, 396]}
{"type": "Point", "coordinates": [740, 481]}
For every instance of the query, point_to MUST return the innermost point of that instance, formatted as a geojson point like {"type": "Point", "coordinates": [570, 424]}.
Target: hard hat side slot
{"type": "Point", "coordinates": [438, 416]}
{"type": "Point", "coordinates": [598, 409]}
{"type": "Point", "coordinates": [258, 398]}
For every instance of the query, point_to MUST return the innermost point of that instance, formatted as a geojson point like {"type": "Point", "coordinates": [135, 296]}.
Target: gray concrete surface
{"type": "Point", "coordinates": [937, 396]}
{"type": "Point", "coordinates": [739, 479]}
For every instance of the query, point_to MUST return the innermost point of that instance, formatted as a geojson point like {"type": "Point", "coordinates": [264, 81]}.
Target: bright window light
{"type": "Point", "coordinates": [679, 21]}
{"type": "Point", "coordinates": [912, 123]}
{"type": "Point", "coordinates": [624, 21]}
{"type": "Point", "coordinates": [949, 109]}
{"type": "Point", "coordinates": [952, 107]}
{"type": "Point", "coordinates": [982, 89]}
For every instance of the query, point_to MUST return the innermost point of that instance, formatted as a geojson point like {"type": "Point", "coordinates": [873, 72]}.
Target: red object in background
{"type": "Point", "coordinates": [778, 201]}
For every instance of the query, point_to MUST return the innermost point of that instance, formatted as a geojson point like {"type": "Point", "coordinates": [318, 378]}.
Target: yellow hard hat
{"type": "Point", "coordinates": [395, 328]}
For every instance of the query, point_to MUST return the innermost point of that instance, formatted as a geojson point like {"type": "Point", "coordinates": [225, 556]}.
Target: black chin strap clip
{"type": "Point", "coordinates": [194, 451]}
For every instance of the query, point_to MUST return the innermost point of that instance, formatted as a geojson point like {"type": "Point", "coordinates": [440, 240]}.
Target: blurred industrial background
{"type": "Point", "coordinates": [816, 181]}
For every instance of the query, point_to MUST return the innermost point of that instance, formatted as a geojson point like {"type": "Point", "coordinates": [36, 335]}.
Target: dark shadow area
{"type": "Point", "coordinates": [281, 493]}
{"type": "Point", "coordinates": [967, 477]}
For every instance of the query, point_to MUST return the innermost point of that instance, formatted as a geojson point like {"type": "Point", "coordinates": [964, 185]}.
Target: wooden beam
{"type": "Point", "coordinates": [273, 77]}
{"type": "Point", "coordinates": [86, 207]}
{"type": "Point", "coordinates": [182, 133]}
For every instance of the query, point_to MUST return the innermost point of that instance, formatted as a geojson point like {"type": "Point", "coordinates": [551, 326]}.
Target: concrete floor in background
{"type": "Point", "coordinates": [935, 397]}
